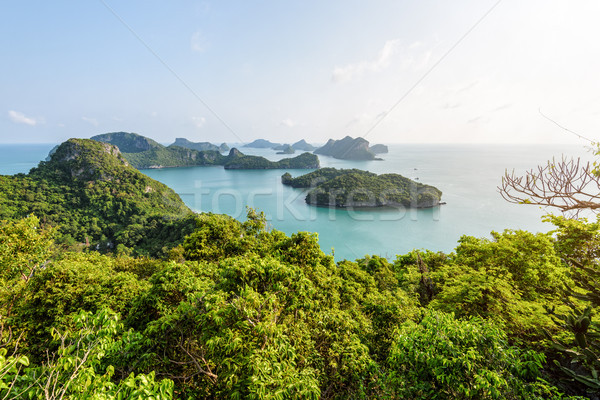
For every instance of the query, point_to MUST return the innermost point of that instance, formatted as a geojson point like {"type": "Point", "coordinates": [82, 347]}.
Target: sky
{"type": "Point", "coordinates": [391, 71]}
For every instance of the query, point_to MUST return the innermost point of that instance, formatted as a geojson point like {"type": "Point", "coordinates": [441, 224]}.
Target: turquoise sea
{"type": "Point", "coordinates": [468, 176]}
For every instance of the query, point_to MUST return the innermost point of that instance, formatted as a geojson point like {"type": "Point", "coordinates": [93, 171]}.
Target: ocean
{"type": "Point", "coordinates": [468, 176]}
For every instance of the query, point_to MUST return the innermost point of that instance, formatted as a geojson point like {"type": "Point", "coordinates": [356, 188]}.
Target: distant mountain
{"type": "Point", "coordinates": [262, 144]}
{"type": "Point", "coordinates": [223, 147]}
{"type": "Point", "coordinates": [128, 142]}
{"type": "Point", "coordinates": [159, 156]}
{"type": "Point", "coordinates": [379, 149]}
{"type": "Point", "coordinates": [200, 146]}
{"type": "Point", "coordinates": [286, 149]}
{"type": "Point", "coordinates": [303, 146]}
{"type": "Point", "coordinates": [347, 149]}
{"type": "Point", "coordinates": [143, 152]}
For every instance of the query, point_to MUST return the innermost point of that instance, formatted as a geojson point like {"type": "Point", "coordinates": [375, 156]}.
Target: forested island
{"type": "Point", "coordinates": [145, 153]}
{"type": "Point", "coordinates": [200, 146]}
{"type": "Point", "coordinates": [343, 188]}
{"type": "Point", "coordinates": [112, 288]}
{"type": "Point", "coordinates": [349, 148]}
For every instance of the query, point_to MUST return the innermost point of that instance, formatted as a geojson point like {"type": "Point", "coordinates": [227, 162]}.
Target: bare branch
{"type": "Point", "coordinates": [567, 185]}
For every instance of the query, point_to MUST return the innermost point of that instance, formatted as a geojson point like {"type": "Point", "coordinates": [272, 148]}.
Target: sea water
{"type": "Point", "coordinates": [468, 176]}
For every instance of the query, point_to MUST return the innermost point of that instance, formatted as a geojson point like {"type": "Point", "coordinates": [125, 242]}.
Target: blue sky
{"type": "Point", "coordinates": [391, 71]}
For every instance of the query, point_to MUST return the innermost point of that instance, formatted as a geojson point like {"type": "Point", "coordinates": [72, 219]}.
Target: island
{"type": "Point", "coordinates": [344, 188]}
{"type": "Point", "coordinates": [378, 149]}
{"type": "Point", "coordinates": [286, 149]}
{"type": "Point", "coordinates": [237, 160]}
{"type": "Point", "coordinates": [347, 149]}
{"type": "Point", "coordinates": [262, 144]}
{"type": "Point", "coordinates": [200, 146]}
{"type": "Point", "coordinates": [145, 153]}
{"type": "Point", "coordinates": [303, 146]}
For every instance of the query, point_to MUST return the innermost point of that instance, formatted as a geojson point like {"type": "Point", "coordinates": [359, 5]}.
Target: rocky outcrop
{"type": "Point", "coordinates": [262, 144]}
{"type": "Point", "coordinates": [286, 149]}
{"type": "Point", "coordinates": [347, 149]}
{"type": "Point", "coordinates": [236, 160]}
{"type": "Point", "coordinates": [128, 142]}
{"type": "Point", "coordinates": [199, 146]}
{"type": "Point", "coordinates": [303, 146]}
{"type": "Point", "coordinates": [379, 149]}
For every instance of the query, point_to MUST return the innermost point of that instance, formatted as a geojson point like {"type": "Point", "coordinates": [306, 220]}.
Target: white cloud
{"type": "Point", "coordinates": [198, 42]}
{"type": "Point", "coordinates": [199, 121]}
{"type": "Point", "coordinates": [92, 121]}
{"type": "Point", "coordinates": [288, 122]}
{"type": "Point", "coordinates": [21, 118]}
{"type": "Point", "coordinates": [347, 73]}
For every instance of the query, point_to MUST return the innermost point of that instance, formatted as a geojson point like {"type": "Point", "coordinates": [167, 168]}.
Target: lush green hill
{"type": "Point", "coordinates": [91, 192]}
{"type": "Point", "coordinates": [356, 188]}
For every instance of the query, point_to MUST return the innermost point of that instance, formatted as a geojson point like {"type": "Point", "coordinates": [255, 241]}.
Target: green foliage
{"type": "Point", "coordinates": [509, 279]}
{"type": "Point", "coordinates": [440, 357]}
{"type": "Point", "coordinates": [24, 248]}
{"type": "Point", "coordinates": [578, 243]}
{"type": "Point", "coordinates": [356, 188]}
{"type": "Point", "coordinates": [76, 282]}
{"type": "Point", "coordinates": [90, 193]}
{"type": "Point", "coordinates": [75, 371]}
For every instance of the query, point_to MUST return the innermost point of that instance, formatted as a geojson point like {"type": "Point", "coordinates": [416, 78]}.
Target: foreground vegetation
{"type": "Point", "coordinates": [241, 312]}
{"type": "Point", "coordinates": [234, 310]}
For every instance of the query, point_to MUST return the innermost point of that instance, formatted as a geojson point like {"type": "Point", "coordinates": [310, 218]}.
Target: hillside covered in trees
{"type": "Point", "coordinates": [232, 309]}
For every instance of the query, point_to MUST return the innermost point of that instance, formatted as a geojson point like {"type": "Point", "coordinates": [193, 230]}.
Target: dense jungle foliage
{"type": "Point", "coordinates": [95, 199]}
{"type": "Point", "coordinates": [357, 188]}
{"type": "Point", "coordinates": [237, 311]}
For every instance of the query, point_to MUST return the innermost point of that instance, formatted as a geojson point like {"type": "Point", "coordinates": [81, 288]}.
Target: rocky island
{"type": "Point", "coordinates": [262, 144]}
{"type": "Point", "coordinates": [237, 160]}
{"type": "Point", "coordinates": [285, 149]}
{"type": "Point", "coordinates": [347, 149]}
{"type": "Point", "coordinates": [342, 188]}
{"type": "Point", "coordinates": [303, 146]}
{"type": "Point", "coordinates": [200, 146]}
{"type": "Point", "coordinates": [378, 149]}
{"type": "Point", "coordinates": [145, 153]}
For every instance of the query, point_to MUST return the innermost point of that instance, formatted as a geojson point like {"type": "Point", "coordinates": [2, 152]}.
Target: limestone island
{"type": "Point", "coordinates": [144, 153]}
{"type": "Point", "coordinates": [200, 146]}
{"type": "Point", "coordinates": [379, 149]}
{"type": "Point", "coordinates": [285, 149]}
{"type": "Point", "coordinates": [347, 148]}
{"type": "Point", "coordinates": [342, 188]}
{"type": "Point", "coordinates": [262, 144]}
